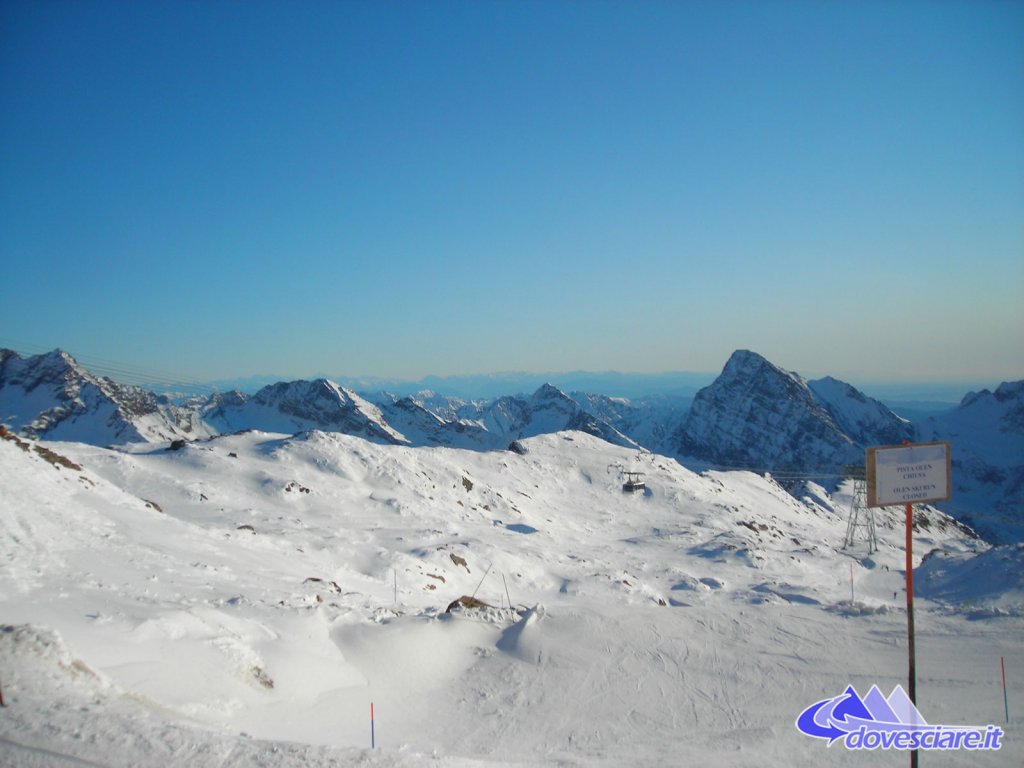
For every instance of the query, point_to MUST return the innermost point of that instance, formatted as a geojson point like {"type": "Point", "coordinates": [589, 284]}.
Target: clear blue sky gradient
{"type": "Point", "coordinates": [397, 189]}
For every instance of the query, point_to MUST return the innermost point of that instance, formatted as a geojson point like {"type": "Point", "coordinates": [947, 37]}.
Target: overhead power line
{"type": "Point", "coordinates": [122, 373]}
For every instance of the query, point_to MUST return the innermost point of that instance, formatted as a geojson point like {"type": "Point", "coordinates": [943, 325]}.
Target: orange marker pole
{"type": "Point", "coordinates": [373, 737]}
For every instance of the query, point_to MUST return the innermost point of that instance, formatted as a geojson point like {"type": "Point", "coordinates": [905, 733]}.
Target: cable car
{"type": "Point", "coordinates": [634, 482]}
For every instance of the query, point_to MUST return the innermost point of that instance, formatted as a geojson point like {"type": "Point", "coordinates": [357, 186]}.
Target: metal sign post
{"type": "Point", "coordinates": [915, 473]}
{"type": "Point", "coordinates": [912, 671]}
{"type": "Point", "coordinates": [908, 474]}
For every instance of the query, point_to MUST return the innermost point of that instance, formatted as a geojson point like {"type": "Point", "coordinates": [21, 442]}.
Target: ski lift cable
{"type": "Point", "coordinates": [782, 474]}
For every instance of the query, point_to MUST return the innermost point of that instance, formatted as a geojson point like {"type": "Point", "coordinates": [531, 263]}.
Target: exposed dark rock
{"type": "Point", "coordinates": [466, 601]}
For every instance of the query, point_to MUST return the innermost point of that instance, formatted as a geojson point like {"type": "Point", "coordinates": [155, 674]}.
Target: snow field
{"type": "Point", "coordinates": [283, 588]}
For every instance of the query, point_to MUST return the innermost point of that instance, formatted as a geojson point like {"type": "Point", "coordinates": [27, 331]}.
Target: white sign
{"type": "Point", "coordinates": [908, 474]}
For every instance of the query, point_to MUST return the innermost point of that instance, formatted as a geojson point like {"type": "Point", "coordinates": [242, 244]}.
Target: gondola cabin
{"type": "Point", "coordinates": [634, 482]}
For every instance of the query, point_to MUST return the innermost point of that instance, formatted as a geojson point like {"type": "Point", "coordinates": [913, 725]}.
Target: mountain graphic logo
{"type": "Point", "coordinates": [888, 722]}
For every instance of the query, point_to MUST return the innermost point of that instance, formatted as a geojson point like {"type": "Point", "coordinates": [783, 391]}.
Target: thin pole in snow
{"type": "Point", "coordinates": [506, 590]}
{"type": "Point", "coordinates": [373, 736]}
{"type": "Point", "coordinates": [482, 580]}
{"type": "Point", "coordinates": [1006, 702]}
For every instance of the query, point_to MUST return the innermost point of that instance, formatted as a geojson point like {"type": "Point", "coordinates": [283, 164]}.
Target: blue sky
{"type": "Point", "coordinates": [216, 189]}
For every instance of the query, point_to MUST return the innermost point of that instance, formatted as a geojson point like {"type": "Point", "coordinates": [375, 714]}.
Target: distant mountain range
{"type": "Point", "coordinates": [754, 416]}
{"type": "Point", "coordinates": [489, 386]}
{"type": "Point", "coordinates": [911, 400]}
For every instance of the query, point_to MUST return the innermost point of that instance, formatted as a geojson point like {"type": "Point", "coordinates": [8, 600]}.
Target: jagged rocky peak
{"type": "Point", "coordinates": [759, 416]}
{"type": "Point", "coordinates": [423, 426]}
{"type": "Point", "coordinates": [1010, 390]}
{"type": "Point", "coordinates": [1006, 392]}
{"type": "Point", "coordinates": [551, 398]}
{"type": "Point", "coordinates": [548, 391]}
{"type": "Point", "coordinates": [407, 410]}
{"type": "Point", "coordinates": [749, 381]}
{"type": "Point", "coordinates": [293, 406]}
{"type": "Point", "coordinates": [51, 395]}
{"type": "Point", "coordinates": [549, 409]}
{"type": "Point", "coordinates": [56, 368]}
{"type": "Point", "coordinates": [546, 410]}
{"type": "Point", "coordinates": [305, 396]}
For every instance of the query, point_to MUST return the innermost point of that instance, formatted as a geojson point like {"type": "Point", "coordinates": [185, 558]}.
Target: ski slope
{"type": "Point", "coordinates": [243, 600]}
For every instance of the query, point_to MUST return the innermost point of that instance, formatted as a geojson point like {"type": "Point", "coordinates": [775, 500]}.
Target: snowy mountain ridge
{"type": "Point", "coordinates": [51, 396]}
{"type": "Point", "coordinates": [297, 406]}
{"type": "Point", "coordinates": [108, 413]}
{"type": "Point", "coordinates": [987, 436]}
{"type": "Point", "coordinates": [754, 415]}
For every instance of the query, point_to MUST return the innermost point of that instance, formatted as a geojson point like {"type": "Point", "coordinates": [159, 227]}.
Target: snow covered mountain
{"type": "Point", "coordinates": [650, 421]}
{"type": "Point", "coordinates": [987, 436]}
{"type": "Point", "coordinates": [753, 415]}
{"type": "Point", "coordinates": [296, 406]}
{"type": "Point", "coordinates": [52, 396]}
{"type": "Point", "coordinates": [545, 411]}
{"type": "Point", "coordinates": [422, 425]}
{"type": "Point", "coordinates": [864, 420]}
{"type": "Point", "coordinates": [757, 415]}
{"type": "Point", "coordinates": [431, 419]}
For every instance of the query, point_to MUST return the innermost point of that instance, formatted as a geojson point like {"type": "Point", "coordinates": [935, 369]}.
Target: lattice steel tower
{"type": "Point", "coordinates": [861, 515]}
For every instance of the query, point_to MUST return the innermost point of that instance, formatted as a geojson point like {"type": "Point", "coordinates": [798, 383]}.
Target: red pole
{"type": "Point", "coordinates": [373, 739]}
{"type": "Point", "coordinates": [910, 615]}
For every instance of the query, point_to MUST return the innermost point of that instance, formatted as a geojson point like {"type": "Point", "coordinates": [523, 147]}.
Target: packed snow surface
{"type": "Point", "coordinates": [244, 600]}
